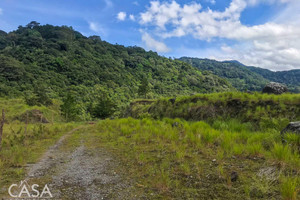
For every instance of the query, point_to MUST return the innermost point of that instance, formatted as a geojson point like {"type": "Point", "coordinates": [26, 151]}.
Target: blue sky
{"type": "Point", "coordinates": [262, 33]}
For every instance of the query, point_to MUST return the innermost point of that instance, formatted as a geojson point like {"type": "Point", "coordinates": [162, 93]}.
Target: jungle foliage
{"type": "Point", "coordinates": [54, 61]}
{"type": "Point", "coordinates": [261, 111]}
{"type": "Point", "coordinates": [244, 77]}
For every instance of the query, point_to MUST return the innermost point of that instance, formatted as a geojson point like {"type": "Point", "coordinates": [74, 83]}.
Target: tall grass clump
{"type": "Point", "coordinates": [233, 125]}
{"type": "Point", "coordinates": [284, 155]}
{"type": "Point", "coordinates": [177, 157]}
{"type": "Point", "coordinates": [293, 140]}
{"type": "Point", "coordinates": [290, 188]}
{"type": "Point", "coordinates": [254, 149]}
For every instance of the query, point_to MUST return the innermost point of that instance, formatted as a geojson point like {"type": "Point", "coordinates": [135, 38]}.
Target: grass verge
{"type": "Point", "coordinates": [174, 158]}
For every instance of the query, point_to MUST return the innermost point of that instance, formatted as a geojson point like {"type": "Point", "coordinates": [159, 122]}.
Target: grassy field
{"type": "Point", "coordinates": [209, 146]}
{"type": "Point", "coordinates": [227, 133]}
{"type": "Point", "coordinates": [176, 159]}
{"type": "Point", "coordinates": [23, 143]}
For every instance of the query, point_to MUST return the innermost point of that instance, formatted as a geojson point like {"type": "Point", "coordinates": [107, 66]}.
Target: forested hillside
{"type": "Point", "coordinates": [290, 78]}
{"type": "Point", "coordinates": [55, 61]}
{"type": "Point", "coordinates": [244, 77]}
{"type": "Point", "coordinates": [221, 145]}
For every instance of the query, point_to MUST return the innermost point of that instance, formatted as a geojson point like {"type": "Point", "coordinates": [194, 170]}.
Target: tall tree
{"type": "Point", "coordinates": [32, 24]}
{"type": "Point", "coordinates": [104, 106]}
{"type": "Point", "coordinates": [39, 96]}
{"type": "Point", "coordinates": [144, 87]}
{"type": "Point", "coordinates": [69, 108]}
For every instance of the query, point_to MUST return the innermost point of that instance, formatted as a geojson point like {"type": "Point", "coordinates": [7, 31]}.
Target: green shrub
{"type": "Point", "coordinates": [289, 188]}
{"type": "Point", "coordinates": [284, 155]}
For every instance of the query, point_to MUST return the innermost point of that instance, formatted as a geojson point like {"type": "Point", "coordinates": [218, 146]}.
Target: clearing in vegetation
{"type": "Point", "coordinates": [176, 159]}
{"type": "Point", "coordinates": [173, 151]}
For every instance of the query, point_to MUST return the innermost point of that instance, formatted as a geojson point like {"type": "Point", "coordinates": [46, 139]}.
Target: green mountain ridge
{"type": "Point", "coordinates": [60, 60]}
{"type": "Point", "coordinates": [290, 78]}
{"type": "Point", "coordinates": [245, 77]}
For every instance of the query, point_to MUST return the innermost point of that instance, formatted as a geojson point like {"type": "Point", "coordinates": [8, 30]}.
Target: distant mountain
{"type": "Point", "coordinates": [237, 74]}
{"type": "Point", "coordinates": [62, 60]}
{"type": "Point", "coordinates": [233, 61]}
{"type": "Point", "coordinates": [244, 77]}
{"type": "Point", "coordinates": [290, 78]}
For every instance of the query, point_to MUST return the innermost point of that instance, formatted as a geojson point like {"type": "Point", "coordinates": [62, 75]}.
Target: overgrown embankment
{"type": "Point", "coordinates": [178, 159]}
{"type": "Point", "coordinates": [262, 110]}
{"type": "Point", "coordinates": [28, 132]}
{"type": "Point", "coordinates": [18, 110]}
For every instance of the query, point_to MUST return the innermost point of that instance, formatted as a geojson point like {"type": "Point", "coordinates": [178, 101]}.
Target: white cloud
{"type": "Point", "coordinates": [121, 16]}
{"type": "Point", "coordinates": [212, 1]}
{"type": "Point", "coordinates": [1, 11]}
{"type": "Point", "coordinates": [132, 17]}
{"type": "Point", "coordinates": [153, 44]}
{"type": "Point", "coordinates": [255, 2]}
{"type": "Point", "coordinates": [161, 14]}
{"type": "Point", "coordinates": [94, 26]}
{"type": "Point", "coordinates": [272, 45]}
{"type": "Point", "coordinates": [289, 14]}
{"type": "Point", "coordinates": [263, 54]}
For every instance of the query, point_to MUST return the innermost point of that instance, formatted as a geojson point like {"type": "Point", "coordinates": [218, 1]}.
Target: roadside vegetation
{"type": "Point", "coordinates": [206, 146]}
{"type": "Point", "coordinates": [174, 158]}
{"type": "Point", "coordinates": [261, 111]}
{"type": "Point", "coordinates": [226, 134]}
{"type": "Point", "coordinates": [26, 138]}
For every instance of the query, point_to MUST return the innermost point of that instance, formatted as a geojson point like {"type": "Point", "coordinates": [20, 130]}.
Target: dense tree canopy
{"type": "Point", "coordinates": [246, 78]}
{"type": "Point", "coordinates": [60, 59]}
{"type": "Point", "coordinates": [290, 78]}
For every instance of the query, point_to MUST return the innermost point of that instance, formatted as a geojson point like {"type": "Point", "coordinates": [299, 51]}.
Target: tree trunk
{"type": "Point", "coordinates": [1, 127]}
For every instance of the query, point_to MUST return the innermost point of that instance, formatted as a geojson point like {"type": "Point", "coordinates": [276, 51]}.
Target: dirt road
{"type": "Point", "coordinates": [74, 170]}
